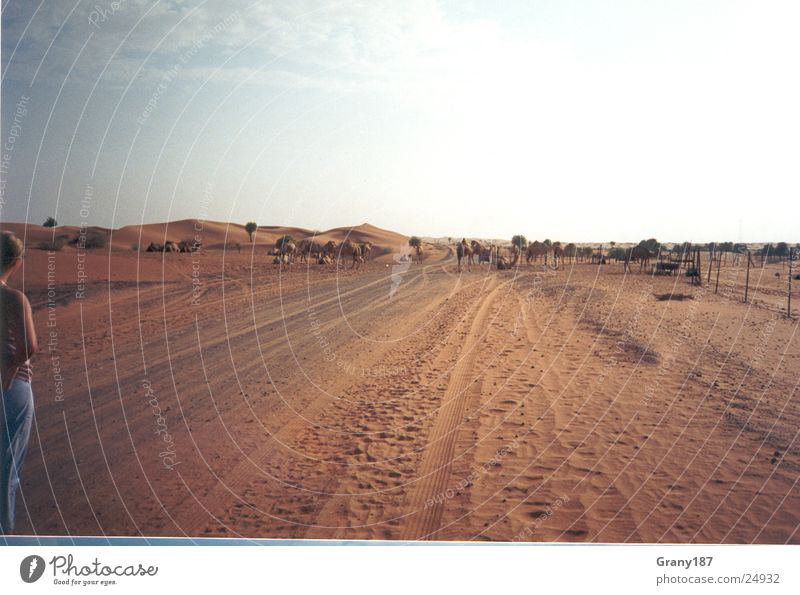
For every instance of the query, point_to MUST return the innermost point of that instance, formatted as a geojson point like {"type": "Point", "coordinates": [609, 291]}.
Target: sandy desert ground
{"type": "Point", "coordinates": [213, 395]}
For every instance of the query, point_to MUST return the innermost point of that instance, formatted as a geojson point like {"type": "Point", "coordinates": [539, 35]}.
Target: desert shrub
{"type": "Point", "coordinates": [673, 297]}
{"type": "Point", "coordinates": [53, 245]}
{"type": "Point", "coordinates": [89, 240]}
{"type": "Point", "coordinates": [95, 239]}
{"type": "Point", "coordinates": [50, 222]}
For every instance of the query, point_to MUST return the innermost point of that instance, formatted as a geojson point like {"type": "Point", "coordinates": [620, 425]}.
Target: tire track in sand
{"type": "Point", "coordinates": [423, 507]}
{"type": "Point", "coordinates": [194, 519]}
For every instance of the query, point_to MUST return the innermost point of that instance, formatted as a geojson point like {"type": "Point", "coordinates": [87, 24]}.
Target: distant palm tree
{"type": "Point", "coordinates": [251, 228]}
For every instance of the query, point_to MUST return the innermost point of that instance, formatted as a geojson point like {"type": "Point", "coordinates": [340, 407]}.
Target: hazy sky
{"type": "Point", "coordinates": [573, 120]}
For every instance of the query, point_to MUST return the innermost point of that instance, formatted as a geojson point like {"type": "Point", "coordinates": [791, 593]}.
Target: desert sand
{"type": "Point", "coordinates": [211, 394]}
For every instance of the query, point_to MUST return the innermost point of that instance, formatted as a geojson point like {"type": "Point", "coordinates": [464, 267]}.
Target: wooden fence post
{"type": "Point", "coordinates": [747, 278]}
{"type": "Point", "coordinates": [699, 268]}
{"type": "Point", "coordinates": [710, 263]}
{"type": "Point", "coordinates": [789, 296]}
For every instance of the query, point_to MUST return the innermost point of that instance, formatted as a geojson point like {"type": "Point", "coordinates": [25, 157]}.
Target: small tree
{"type": "Point", "coordinates": [520, 241]}
{"type": "Point", "coordinates": [726, 247]}
{"type": "Point", "coordinates": [652, 245]}
{"type": "Point", "coordinates": [251, 228]}
{"type": "Point", "coordinates": [50, 222]}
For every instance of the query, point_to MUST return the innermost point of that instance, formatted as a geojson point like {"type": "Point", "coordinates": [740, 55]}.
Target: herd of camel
{"type": "Point", "coordinates": [287, 251]}
{"type": "Point", "coordinates": [467, 251]}
{"type": "Point", "coordinates": [308, 250]}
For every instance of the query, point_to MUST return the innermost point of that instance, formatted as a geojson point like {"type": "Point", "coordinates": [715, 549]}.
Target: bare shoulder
{"type": "Point", "coordinates": [13, 297]}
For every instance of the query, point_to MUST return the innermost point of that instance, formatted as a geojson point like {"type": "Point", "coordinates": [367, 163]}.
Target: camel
{"type": "Point", "coordinates": [366, 248]}
{"type": "Point", "coordinates": [285, 253]}
{"type": "Point", "coordinates": [571, 251]}
{"type": "Point", "coordinates": [464, 251]}
{"type": "Point", "coordinates": [558, 253]}
{"type": "Point", "coordinates": [353, 250]}
{"type": "Point", "coordinates": [192, 246]}
{"type": "Point", "coordinates": [309, 249]}
{"type": "Point", "coordinates": [153, 247]}
{"type": "Point", "coordinates": [358, 256]}
{"type": "Point", "coordinates": [640, 253]}
{"type": "Point", "coordinates": [477, 249]}
{"type": "Point", "coordinates": [329, 250]}
{"type": "Point", "coordinates": [289, 249]}
{"type": "Point", "coordinates": [282, 260]}
{"type": "Point", "coordinates": [171, 246]}
{"type": "Point", "coordinates": [536, 249]}
{"type": "Point", "coordinates": [504, 263]}
{"type": "Point", "coordinates": [485, 255]}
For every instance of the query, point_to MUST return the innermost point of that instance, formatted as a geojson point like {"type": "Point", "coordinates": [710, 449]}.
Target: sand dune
{"type": "Point", "coordinates": [214, 235]}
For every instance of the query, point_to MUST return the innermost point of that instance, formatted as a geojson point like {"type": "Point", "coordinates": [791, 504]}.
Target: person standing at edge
{"type": "Point", "coordinates": [18, 340]}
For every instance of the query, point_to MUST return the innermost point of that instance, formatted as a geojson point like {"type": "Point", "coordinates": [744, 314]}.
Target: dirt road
{"type": "Point", "coordinates": [405, 401]}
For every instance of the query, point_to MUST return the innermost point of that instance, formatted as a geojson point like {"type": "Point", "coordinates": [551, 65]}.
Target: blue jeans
{"type": "Point", "coordinates": [16, 417]}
